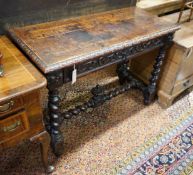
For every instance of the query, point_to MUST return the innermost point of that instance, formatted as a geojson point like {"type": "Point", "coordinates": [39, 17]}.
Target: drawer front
{"type": "Point", "coordinates": [13, 126]}
{"type": "Point", "coordinates": [186, 66]}
{"type": "Point", "coordinates": [183, 85]}
{"type": "Point", "coordinates": [10, 106]}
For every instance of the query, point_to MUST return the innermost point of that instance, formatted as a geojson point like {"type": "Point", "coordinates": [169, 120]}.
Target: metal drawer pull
{"type": "Point", "coordinates": [12, 127]}
{"type": "Point", "coordinates": [6, 107]}
{"type": "Point", "coordinates": [1, 71]}
{"type": "Point", "coordinates": [186, 83]}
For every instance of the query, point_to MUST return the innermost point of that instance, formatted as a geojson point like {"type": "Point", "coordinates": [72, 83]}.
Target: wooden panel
{"type": "Point", "coordinates": [186, 68]}
{"type": "Point", "coordinates": [20, 75]}
{"type": "Point", "coordinates": [20, 12]}
{"type": "Point", "coordinates": [79, 39]}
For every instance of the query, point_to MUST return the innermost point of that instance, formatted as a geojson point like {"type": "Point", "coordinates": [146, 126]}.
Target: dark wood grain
{"type": "Point", "coordinates": [83, 38]}
{"type": "Point", "coordinates": [25, 12]}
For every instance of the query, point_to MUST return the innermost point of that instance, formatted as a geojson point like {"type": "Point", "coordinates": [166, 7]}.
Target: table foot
{"type": "Point", "coordinates": [57, 144]}
{"type": "Point", "coordinates": [44, 139]}
{"type": "Point", "coordinates": [149, 95]}
{"type": "Point", "coordinates": [50, 169]}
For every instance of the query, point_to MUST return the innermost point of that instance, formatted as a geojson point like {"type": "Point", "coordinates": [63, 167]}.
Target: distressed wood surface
{"type": "Point", "coordinates": [59, 44]}
{"type": "Point", "coordinates": [19, 75]}
{"type": "Point", "coordinates": [23, 12]}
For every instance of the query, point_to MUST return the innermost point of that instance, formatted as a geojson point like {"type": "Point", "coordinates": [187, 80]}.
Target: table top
{"type": "Point", "coordinates": [59, 44]}
{"type": "Point", "coordinates": [20, 76]}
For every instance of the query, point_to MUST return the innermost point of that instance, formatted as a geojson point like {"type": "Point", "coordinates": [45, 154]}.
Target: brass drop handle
{"type": "Point", "coordinates": [186, 83]}
{"type": "Point", "coordinates": [12, 127]}
{"type": "Point", "coordinates": [1, 71]}
{"type": "Point", "coordinates": [6, 107]}
{"type": "Point", "coordinates": [1, 66]}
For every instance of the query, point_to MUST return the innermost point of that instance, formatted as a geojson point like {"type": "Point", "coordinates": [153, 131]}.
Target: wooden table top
{"type": "Point", "coordinates": [20, 76]}
{"type": "Point", "coordinates": [59, 44]}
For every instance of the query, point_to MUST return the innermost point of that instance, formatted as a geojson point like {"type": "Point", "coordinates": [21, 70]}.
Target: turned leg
{"type": "Point", "coordinates": [54, 128]}
{"type": "Point", "coordinates": [44, 139]}
{"type": "Point", "coordinates": [150, 91]}
{"type": "Point", "coordinates": [55, 80]}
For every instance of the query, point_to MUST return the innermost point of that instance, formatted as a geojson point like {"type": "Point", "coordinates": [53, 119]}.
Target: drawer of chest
{"type": "Point", "coordinates": [182, 85]}
{"type": "Point", "coordinates": [9, 106]}
{"type": "Point", "coordinates": [13, 126]}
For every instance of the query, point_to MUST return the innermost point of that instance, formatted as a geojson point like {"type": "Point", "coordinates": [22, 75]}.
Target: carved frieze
{"type": "Point", "coordinates": [122, 55]}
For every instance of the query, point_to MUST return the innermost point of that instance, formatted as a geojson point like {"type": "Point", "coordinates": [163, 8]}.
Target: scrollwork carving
{"type": "Point", "coordinates": [119, 56]}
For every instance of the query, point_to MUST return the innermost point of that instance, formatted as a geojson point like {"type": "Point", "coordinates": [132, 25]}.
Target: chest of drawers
{"type": "Point", "coordinates": [20, 108]}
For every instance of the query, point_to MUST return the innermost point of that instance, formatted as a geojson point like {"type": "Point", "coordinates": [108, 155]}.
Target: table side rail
{"type": "Point", "coordinates": [83, 68]}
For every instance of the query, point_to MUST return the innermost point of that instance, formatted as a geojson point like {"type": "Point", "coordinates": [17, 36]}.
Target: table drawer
{"type": "Point", "coordinates": [10, 106]}
{"type": "Point", "coordinates": [13, 126]}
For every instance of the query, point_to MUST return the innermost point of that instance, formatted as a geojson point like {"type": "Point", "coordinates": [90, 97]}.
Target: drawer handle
{"type": "Point", "coordinates": [12, 127]}
{"type": "Point", "coordinates": [6, 107]}
{"type": "Point", "coordinates": [186, 83]}
{"type": "Point", "coordinates": [1, 71]}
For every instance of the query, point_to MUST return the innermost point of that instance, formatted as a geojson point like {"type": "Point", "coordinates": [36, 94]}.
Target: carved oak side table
{"type": "Point", "coordinates": [20, 108]}
{"type": "Point", "coordinates": [90, 43]}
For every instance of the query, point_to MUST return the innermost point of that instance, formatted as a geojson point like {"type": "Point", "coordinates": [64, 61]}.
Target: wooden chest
{"type": "Point", "coordinates": [20, 108]}
{"type": "Point", "coordinates": [177, 74]}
